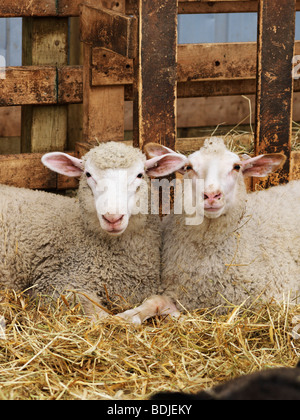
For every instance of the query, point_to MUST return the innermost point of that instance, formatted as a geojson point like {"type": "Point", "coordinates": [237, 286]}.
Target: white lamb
{"type": "Point", "coordinates": [248, 245]}
{"type": "Point", "coordinates": [50, 244]}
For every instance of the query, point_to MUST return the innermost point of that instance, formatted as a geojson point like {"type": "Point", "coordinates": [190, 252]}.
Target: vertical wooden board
{"type": "Point", "coordinates": [155, 82]}
{"type": "Point", "coordinates": [103, 106]}
{"type": "Point", "coordinates": [45, 42]}
{"type": "Point", "coordinates": [75, 111]}
{"type": "Point", "coordinates": [276, 37]}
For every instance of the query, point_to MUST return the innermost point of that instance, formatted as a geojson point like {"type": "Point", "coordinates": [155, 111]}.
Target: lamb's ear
{"type": "Point", "coordinates": [152, 150]}
{"type": "Point", "coordinates": [263, 165]}
{"type": "Point", "coordinates": [165, 165]}
{"type": "Point", "coordinates": [63, 164]}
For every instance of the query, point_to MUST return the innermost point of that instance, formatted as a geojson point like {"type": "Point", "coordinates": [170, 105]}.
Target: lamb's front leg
{"type": "Point", "coordinates": [156, 305]}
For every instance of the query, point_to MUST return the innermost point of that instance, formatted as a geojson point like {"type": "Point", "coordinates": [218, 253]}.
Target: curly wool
{"type": "Point", "coordinates": [252, 251]}
{"type": "Point", "coordinates": [114, 155]}
{"type": "Point", "coordinates": [51, 244]}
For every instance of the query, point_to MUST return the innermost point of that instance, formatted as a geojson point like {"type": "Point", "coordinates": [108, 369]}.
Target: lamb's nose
{"type": "Point", "coordinates": [211, 197]}
{"type": "Point", "coordinates": [113, 218]}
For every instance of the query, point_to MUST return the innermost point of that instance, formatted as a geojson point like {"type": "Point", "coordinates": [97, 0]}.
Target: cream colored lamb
{"type": "Point", "coordinates": [248, 245]}
{"type": "Point", "coordinates": [96, 245]}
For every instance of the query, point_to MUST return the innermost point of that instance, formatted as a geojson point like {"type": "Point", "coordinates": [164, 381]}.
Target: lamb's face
{"type": "Point", "coordinates": [116, 192]}
{"type": "Point", "coordinates": [115, 174]}
{"type": "Point", "coordinates": [220, 172]}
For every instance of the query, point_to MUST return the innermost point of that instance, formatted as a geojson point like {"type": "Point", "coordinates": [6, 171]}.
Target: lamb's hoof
{"type": "Point", "coordinates": [131, 316]}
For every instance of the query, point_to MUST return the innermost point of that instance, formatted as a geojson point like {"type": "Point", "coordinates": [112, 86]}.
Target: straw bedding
{"type": "Point", "coordinates": [54, 352]}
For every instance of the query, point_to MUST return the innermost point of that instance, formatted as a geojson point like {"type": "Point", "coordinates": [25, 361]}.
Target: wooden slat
{"type": "Point", "coordinates": [103, 106]}
{"type": "Point", "coordinates": [27, 171]}
{"type": "Point", "coordinates": [108, 29]}
{"type": "Point", "coordinates": [28, 85]}
{"type": "Point", "coordinates": [42, 8]}
{"type": "Point", "coordinates": [45, 42]}
{"type": "Point", "coordinates": [70, 85]}
{"type": "Point", "coordinates": [195, 62]}
{"type": "Point", "coordinates": [275, 82]}
{"type": "Point", "coordinates": [40, 87]}
{"type": "Point", "coordinates": [109, 68]}
{"type": "Point", "coordinates": [16, 8]}
{"type": "Point", "coordinates": [216, 61]}
{"type": "Point", "coordinates": [155, 74]}
{"type": "Point", "coordinates": [48, 8]}
{"type": "Point", "coordinates": [219, 6]}
{"type": "Point", "coordinates": [71, 91]}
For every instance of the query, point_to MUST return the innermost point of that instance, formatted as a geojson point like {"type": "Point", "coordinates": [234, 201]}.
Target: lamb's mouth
{"type": "Point", "coordinates": [213, 209]}
{"type": "Point", "coordinates": [114, 228]}
{"type": "Point", "coordinates": [213, 212]}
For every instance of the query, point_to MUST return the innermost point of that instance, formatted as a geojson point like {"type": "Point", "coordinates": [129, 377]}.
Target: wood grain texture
{"type": "Point", "coordinates": [43, 8]}
{"type": "Point", "coordinates": [50, 85]}
{"type": "Point", "coordinates": [27, 171]}
{"type": "Point", "coordinates": [275, 82]}
{"type": "Point", "coordinates": [45, 42]}
{"type": "Point", "coordinates": [103, 106]}
{"type": "Point", "coordinates": [155, 80]}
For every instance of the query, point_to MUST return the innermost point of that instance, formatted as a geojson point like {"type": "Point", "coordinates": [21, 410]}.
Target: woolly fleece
{"type": "Point", "coordinates": [54, 243]}
{"type": "Point", "coordinates": [253, 249]}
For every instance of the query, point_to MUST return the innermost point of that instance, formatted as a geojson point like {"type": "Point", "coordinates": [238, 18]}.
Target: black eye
{"type": "Point", "coordinates": [140, 176]}
{"type": "Point", "coordinates": [236, 168]}
{"type": "Point", "coordinates": [88, 175]}
{"type": "Point", "coordinates": [189, 168]}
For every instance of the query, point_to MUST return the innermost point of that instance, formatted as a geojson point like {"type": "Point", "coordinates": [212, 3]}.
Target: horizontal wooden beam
{"type": "Point", "coordinates": [47, 8]}
{"type": "Point", "coordinates": [203, 70]}
{"type": "Point", "coordinates": [41, 85]}
{"type": "Point", "coordinates": [25, 8]}
{"type": "Point", "coordinates": [217, 6]}
{"type": "Point", "coordinates": [27, 171]}
{"type": "Point", "coordinates": [28, 85]}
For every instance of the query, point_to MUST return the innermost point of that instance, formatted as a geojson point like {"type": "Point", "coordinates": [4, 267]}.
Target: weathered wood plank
{"type": "Point", "coordinates": [70, 85]}
{"type": "Point", "coordinates": [45, 42]}
{"type": "Point", "coordinates": [28, 85]}
{"type": "Point", "coordinates": [44, 8]}
{"type": "Point", "coordinates": [17, 8]}
{"type": "Point", "coordinates": [48, 8]}
{"type": "Point", "coordinates": [275, 83]}
{"type": "Point", "coordinates": [103, 106]}
{"type": "Point", "coordinates": [195, 62]}
{"type": "Point", "coordinates": [108, 29]}
{"type": "Point", "coordinates": [71, 91]}
{"type": "Point", "coordinates": [27, 171]}
{"type": "Point", "coordinates": [218, 6]}
{"type": "Point", "coordinates": [216, 61]}
{"type": "Point", "coordinates": [9, 145]}
{"type": "Point", "coordinates": [109, 68]}
{"type": "Point", "coordinates": [210, 6]}
{"type": "Point", "coordinates": [155, 74]}
{"type": "Point", "coordinates": [37, 84]}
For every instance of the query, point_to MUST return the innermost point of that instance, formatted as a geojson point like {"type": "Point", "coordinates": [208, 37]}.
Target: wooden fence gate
{"type": "Point", "coordinates": [130, 52]}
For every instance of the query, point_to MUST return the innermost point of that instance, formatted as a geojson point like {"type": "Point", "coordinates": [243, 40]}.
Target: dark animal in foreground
{"type": "Point", "coordinates": [273, 384]}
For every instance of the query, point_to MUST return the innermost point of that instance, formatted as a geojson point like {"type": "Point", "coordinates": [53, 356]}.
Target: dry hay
{"type": "Point", "coordinates": [54, 352]}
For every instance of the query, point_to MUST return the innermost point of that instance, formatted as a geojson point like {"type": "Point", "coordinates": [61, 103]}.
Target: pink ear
{"type": "Point", "coordinates": [154, 149]}
{"type": "Point", "coordinates": [165, 165]}
{"type": "Point", "coordinates": [263, 165]}
{"type": "Point", "coordinates": [63, 164]}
